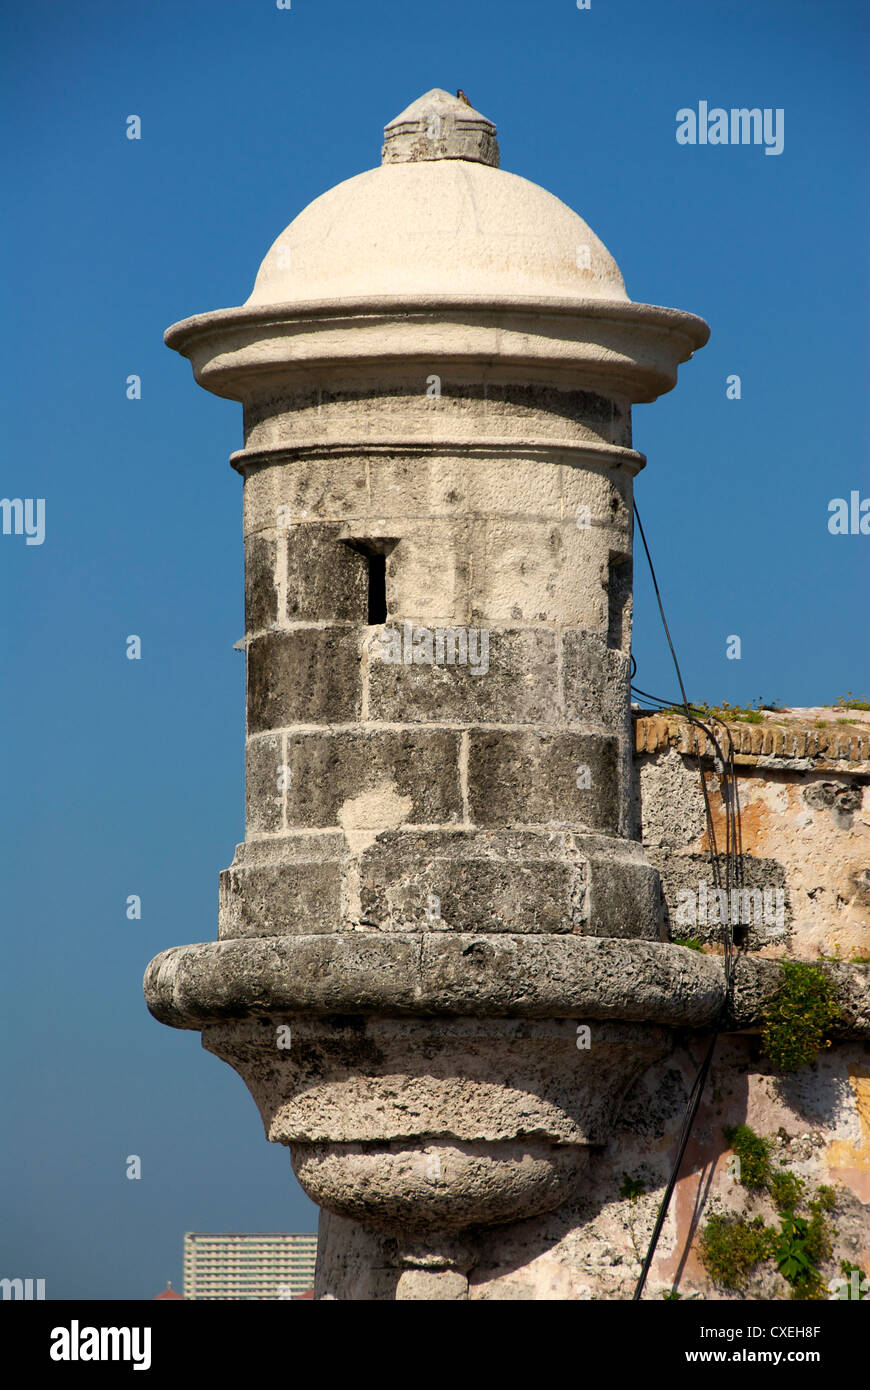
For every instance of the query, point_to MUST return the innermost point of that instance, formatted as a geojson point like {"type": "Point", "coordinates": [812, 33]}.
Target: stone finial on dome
{"type": "Point", "coordinates": [440, 126]}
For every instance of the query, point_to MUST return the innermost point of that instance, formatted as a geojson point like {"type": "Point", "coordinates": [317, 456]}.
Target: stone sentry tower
{"type": "Point", "coordinates": [441, 885]}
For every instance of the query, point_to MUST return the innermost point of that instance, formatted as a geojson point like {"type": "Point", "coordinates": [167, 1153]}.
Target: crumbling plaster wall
{"type": "Point", "coordinates": [804, 796]}
{"type": "Point", "coordinates": [593, 1247]}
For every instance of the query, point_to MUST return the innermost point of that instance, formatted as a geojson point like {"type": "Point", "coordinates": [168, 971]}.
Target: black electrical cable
{"type": "Point", "coordinates": [733, 869]}
{"type": "Point", "coordinates": [688, 1120]}
{"type": "Point", "coordinates": [733, 829]}
{"type": "Point", "coordinates": [661, 610]}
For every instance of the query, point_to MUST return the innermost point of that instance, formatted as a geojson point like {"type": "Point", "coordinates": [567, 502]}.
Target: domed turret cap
{"type": "Point", "coordinates": [440, 254]}
{"type": "Point", "coordinates": [437, 217]}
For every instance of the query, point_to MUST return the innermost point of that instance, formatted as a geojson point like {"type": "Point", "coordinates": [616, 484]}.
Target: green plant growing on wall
{"type": "Point", "coordinates": [848, 701]}
{"type": "Point", "coordinates": [731, 1248]}
{"type": "Point", "coordinates": [785, 1191]}
{"type": "Point", "coordinates": [855, 1279]}
{"type": "Point", "coordinates": [735, 714]}
{"type": "Point", "coordinates": [837, 959]}
{"type": "Point", "coordinates": [631, 1189]}
{"type": "Point", "coordinates": [801, 1246]}
{"type": "Point", "coordinates": [799, 1017]}
{"type": "Point", "coordinates": [753, 1155]}
{"type": "Point", "coordinates": [790, 1252]}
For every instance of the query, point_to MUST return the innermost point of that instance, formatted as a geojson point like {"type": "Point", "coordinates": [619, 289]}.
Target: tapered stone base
{"type": "Point", "coordinates": [413, 1126]}
{"type": "Point", "coordinates": [439, 1187]}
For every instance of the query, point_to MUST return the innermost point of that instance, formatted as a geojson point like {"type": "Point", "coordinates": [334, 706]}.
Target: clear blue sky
{"type": "Point", "coordinates": [126, 777]}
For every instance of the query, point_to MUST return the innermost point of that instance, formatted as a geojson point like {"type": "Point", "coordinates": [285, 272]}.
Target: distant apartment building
{"type": "Point", "coordinates": [268, 1266]}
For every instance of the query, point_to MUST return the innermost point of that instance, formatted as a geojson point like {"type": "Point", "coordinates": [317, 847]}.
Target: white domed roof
{"type": "Point", "coordinates": [439, 223]}
{"type": "Point", "coordinates": [439, 255]}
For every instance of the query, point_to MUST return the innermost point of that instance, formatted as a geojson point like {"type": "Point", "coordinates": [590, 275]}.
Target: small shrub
{"type": "Point", "coordinates": [798, 1019]}
{"type": "Point", "coordinates": [785, 1191]}
{"type": "Point", "coordinates": [848, 701]}
{"type": "Point", "coordinates": [800, 1248]}
{"type": "Point", "coordinates": [731, 1247]}
{"type": "Point", "coordinates": [753, 1153]}
{"type": "Point", "coordinates": [818, 1237]}
{"type": "Point", "coordinates": [631, 1189]}
{"type": "Point", "coordinates": [741, 714]}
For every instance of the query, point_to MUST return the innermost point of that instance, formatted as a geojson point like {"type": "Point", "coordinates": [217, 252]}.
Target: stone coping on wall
{"type": "Point", "coordinates": [756, 981]}
{"type": "Point", "coordinates": [459, 974]}
{"type": "Point", "coordinates": [788, 740]}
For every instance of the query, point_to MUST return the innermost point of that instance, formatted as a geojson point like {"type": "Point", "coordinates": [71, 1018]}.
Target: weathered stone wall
{"type": "Point", "coordinates": [804, 793]}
